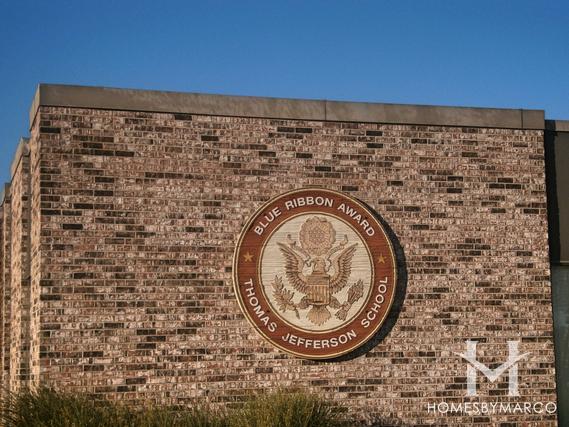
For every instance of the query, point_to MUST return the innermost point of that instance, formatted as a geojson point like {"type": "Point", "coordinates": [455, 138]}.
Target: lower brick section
{"type": "Point", "coordinates": [134, 218]}
{"type": "Point", "coordinates": [6, 288]}
{"type": "Point", "coordinates": [20, 276]}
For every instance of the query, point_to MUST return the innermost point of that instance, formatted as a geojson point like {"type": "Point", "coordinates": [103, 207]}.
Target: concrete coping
{"type": "Point", "coordinates": [280, 108]}
{"type": "Point", "coordinates": [557, 125]}
{"type": "Point", "coordinates": [4, 194]}
{"type": "Point", "coordinates": [23, 149]}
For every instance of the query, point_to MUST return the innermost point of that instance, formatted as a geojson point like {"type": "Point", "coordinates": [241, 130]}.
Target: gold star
{"type": "Point", "coordinates": [381, 260]}
{"type": "Point", "coordinates": [248, 257]}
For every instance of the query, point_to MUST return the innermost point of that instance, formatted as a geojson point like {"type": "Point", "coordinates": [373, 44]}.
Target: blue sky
{"type": "Point", "coordinates": [488, 53]}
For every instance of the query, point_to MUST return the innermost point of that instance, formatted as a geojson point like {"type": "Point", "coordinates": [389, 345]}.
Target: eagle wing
{"type": "Point", "coordinates": [293, 268]}
{"type": "Point", "coordinates": [342, 268]}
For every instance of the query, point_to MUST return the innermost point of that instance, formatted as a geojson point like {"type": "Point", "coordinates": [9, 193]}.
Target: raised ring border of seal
{"type": "Point", "coordinates": [282, 335]}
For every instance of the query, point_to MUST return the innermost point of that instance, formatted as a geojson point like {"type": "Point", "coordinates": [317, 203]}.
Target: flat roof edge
{"type": "Point", "coordinates": [4, 194]}
{"type": "Point", "coordinates": [23, 149]}
{"type": "Point", "coordinates": [280, 108]}
{"type": "Point", "coordinates": [557, 125]}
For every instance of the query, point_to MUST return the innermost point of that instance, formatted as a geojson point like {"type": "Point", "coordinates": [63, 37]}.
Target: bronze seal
{"type": "Point", "coordinates": [315, 273]}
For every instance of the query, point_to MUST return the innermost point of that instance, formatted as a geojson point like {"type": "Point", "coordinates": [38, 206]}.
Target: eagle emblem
{"type": "Point", "coordinates": [318, 267]}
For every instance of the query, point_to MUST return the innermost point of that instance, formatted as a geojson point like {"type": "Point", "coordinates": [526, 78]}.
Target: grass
{"type": "Point", "coordinates": [287, 410]}
{"type": "Point", "coordinates": [47, 408]}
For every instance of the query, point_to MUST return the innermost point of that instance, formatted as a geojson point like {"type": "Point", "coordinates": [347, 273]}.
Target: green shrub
{"type": "Point", "coordinates": [287, 410]}
{"type": "Point", "coordinates": [47, 408]}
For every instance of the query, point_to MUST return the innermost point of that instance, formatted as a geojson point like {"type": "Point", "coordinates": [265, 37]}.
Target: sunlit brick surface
{"type": "Point", "coordinates": [134, 221]}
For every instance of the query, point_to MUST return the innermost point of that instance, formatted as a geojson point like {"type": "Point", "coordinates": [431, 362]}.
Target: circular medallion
{"type": "Point", "coordinates": [315, 273]}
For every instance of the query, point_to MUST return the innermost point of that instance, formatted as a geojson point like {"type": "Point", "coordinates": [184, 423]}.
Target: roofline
{"type": "Point", "coordinates": [55, 95]}
{"type": "Point", "coordinates": [4, 194]}
{"type": "Point", "coordinates": [23, 149]}
{"type": "Point", "coordinates": [557, 125]}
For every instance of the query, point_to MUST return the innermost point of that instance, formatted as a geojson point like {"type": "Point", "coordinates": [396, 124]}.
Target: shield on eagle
{"type": "Point", "coordinates": [318, 268]}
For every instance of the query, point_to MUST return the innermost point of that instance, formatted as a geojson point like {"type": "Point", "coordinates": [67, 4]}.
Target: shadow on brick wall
{"type": "Point", "coordinates": [400, 291]}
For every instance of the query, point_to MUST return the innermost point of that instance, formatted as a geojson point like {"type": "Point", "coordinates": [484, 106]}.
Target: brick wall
{"type": "Point", "coordinates": [134, 221]}
{"type": "Point", "coordinates": [2, 291]}
{"type": "Point", "coordinates": [7, 285]}
{"type": "Point", "coordinates": [20, 274]}
{"type": "Point", "coordinates": [35, 261]}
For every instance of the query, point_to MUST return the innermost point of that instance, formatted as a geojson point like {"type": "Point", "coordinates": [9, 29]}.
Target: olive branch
{"type": "Point", "coordinates": [355, 292]}
{"type": "Point", "coordinates": [284, 297]}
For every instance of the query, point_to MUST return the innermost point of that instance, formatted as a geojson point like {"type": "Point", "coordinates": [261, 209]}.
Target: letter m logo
{"type": "Point", "coordinates": [492, 374]}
